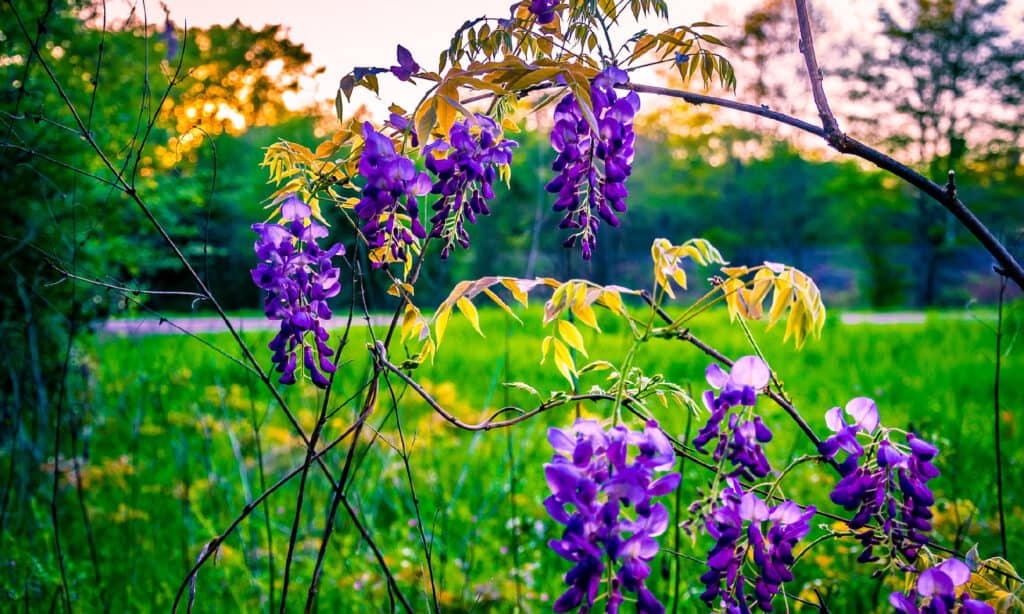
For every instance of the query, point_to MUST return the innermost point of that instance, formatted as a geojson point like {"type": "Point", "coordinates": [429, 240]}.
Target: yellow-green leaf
{"type": "Point", "coordinates": [564, 362]}
{"type": "Point", "coordinates": [468, 309]}
{"type": "Point", "coordinates": [500, 303]}
{"type": "Point", "coordinates": [441, 322]}
{"type": "Point", "coordinates": [572, 336]}
{"type": "Point", "coordinates": [586, 315]}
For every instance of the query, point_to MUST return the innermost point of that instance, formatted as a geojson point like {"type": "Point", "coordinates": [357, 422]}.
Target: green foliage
{"type": "Point", "coordinates": [174, 454]}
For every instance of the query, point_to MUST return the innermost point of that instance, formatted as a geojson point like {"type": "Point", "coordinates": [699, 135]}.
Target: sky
{"type": "Point", "coordinates": [342, 34]}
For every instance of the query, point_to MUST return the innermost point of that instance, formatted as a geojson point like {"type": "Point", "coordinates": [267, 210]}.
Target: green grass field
{"type": "Point", "coordinates": [176, 439]}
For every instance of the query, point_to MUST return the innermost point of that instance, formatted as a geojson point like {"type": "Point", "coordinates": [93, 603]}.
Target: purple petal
{"type": "Point", "coordinates": [294, 209]}
{"type": "Point", "coordinates": [716, 377]}
{"type": "Point", "coordinates": [864, 412]}
{"type": "Point", "coordinates": [834, 419]}
{"type": "Point", "coordinates": [751, 371]}
{"type": "Point", "coordinates": [664, 485]}
{"type": "Point", "coordinates": [934, 582]}
{"type": "Point", "coordinates": [561, 441]}
{"type": "Point", "coordinates": [752, 508]}
{"type": "Point", "coordinates": [957, 571]}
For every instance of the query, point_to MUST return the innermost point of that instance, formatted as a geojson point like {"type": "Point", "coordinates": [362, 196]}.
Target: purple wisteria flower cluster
{"type": "Point", "coordinates": [935, 592]}
{"type": "Point", "coordinates": [736, 524]}
{"type": "Point", "coordinates": [603, 493]}
{"type": "Point", "coordinates": [887, 482]}
{"type": "Point", "coordinates": [543, 10]}
{"type": "Point", "coordinates": [593, 162]}
{"type": "Point", "coordinates": [740, 443]}
{"type": "Point", "coordinates": [298, 277]}
{"type": "Point", "coordinates": [389, 197]}
{"type": "Point", "coordinates": [466, 167]}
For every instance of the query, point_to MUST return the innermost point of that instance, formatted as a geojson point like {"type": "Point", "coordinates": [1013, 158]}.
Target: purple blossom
{"type": "Point", "coordinates": [466, 167]}
{"type": "Point", "coordinates": [603, 494]}
{"type": "Point", "coordinates": [406, 67]}
{"type": "Point", "coordinates": [885, 484]}
{"type": "Point", "coordinates": [389, 198]}
{"type": "Point", "coordinates": [865, 419]}
{"type": "Point", "coordinates": [737, 525]}
{"type": "Point", "coordinates": [741, 441]}
{"type": "Point", "coordinates": [595, 156]}
{"type": "Point", "coordinates": [298, 277]}
{"type": "Point", "coordinates": [400, 125]}
{"type": "Point", "coordinates": [544, 10]}
{"type": "Point", "coordinates": [935, 592]}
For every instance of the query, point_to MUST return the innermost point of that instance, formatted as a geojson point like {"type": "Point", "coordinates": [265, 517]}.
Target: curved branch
{"type": "Point", "coordinates": [488, 423]}
{"type": "Point", "coordinates": [692, 98]}
{"type": "Point", "coordinates": [845, 144]}
{"type": "Point", "coordinates": [842, 143]}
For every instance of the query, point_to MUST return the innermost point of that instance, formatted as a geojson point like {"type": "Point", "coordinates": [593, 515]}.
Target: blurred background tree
{"type": "Point", "coordinates": [194, 155]}
{"type": "Point", "coordinates": [943, 89]}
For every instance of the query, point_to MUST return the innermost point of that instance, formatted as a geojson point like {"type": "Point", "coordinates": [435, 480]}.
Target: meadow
{"type": "Point", "coordinates": [176, 439]}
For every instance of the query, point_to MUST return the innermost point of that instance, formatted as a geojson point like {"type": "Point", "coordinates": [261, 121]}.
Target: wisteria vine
{"type": "Point", "coordinates": [606, 480]}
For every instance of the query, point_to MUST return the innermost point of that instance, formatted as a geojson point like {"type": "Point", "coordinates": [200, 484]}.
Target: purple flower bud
{"type": "Point", "coordinates": [593, 160]}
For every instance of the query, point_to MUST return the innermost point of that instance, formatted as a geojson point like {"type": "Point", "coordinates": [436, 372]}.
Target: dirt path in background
{"type": "Point", "coordinates": [177, 326]}
{"type": "Point", "coordinates": [158, 326]}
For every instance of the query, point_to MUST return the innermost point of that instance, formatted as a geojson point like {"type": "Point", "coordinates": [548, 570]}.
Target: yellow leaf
{"type": "Point", "coordinates": [468, 309]}
{"type": "Point", "coordinates": [517, 293]}
{"type": "Point", "coordinates": [441, 322]}
{"type": "Point", "coordinates": [325, 149]}
{"type": "Point", "coordinates": [731, 288]}
{"type": "Point", "coordinates": [426, 117]}
{"type": "Point", "coordinates": [612, 301]}
{"type": "Point", "coordinates": [735, 271]}
{"type": "Point", "coordinates": [679, 276]}
{"type": "Point", "coordinates": [445, 112]}
{"type": "Point", "coordinates": [545, 347]}
{"type": "Point", "coordinates": [782, 297]}
{"type": "Point", "coordinates": [534, 77]}
{"type": "Point", "coordinates": [579, 296]}
{"type": "Point", "coordinates": [754, 297]}
{"type": "Point", "coordinates": [410, 318]}
{"type": "Point", "coordinates": [586, 315]}
{"type": "Point", "coordinates": [572, 336]}
{"type": "Point", "coordinates": [564, 362]}
{"type": "Point", "coordinates": [795, 324]}
{"type": "Point", "coordinates": [494, 297]}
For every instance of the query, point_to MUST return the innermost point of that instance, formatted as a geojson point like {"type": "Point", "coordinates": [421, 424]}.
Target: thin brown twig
{"type": "Point", "coordinates": [211, 547]}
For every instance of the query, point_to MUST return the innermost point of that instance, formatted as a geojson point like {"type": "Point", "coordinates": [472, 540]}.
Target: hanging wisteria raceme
{"type": "Point", "coordinates": [935, 592]}
{"type": "Point", "coordinates": [602, 491]}
{"type": "Point", "coordinates": [465, 167]}
{"type": "Point", "coordinates": [740, 443]}
{"type": "Point", "coordinates": [736, 524]}
{"type": "Point", "coordinates": [298, 277]}
{"type": "Point", "coordinates": [593, 162]}
{"type": "Point", "coordinates": [888, 481]}
{"type": "Point", "coordinates": [389, 198]}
